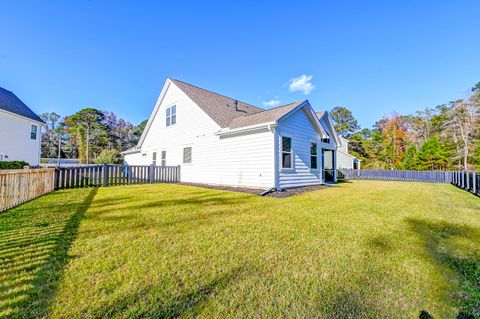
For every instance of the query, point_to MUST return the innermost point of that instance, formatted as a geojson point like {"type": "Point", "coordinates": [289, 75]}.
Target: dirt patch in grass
{"type": "Point", "coordinates": [297, 191]}
{"type": "Point", "coordinates": [247, 190]}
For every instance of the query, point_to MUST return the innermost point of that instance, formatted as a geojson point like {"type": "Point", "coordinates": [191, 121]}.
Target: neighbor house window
{"type": "Point", "coordinates": [171, 115]}
{"type": "Point", "coordinates": [33, 132]}
{"type": "Point", "coordinates": [164, 158]}
{"type": "Point", "coordinates": [286, 152]}
{"type": "Point", "coordinates": [187, 155]}
{"type": "Point", "coordinates": [313, 156]}
{"type": "Point", "coordinates": [154, 158]}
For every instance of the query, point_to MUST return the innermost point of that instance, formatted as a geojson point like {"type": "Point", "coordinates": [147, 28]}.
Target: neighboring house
{"type": "Point", "coordinates": [20, 130]}
{"type": "Point", "coordinates": [219, 140]}
{"type": "Point", "coordinates": [344, 159]}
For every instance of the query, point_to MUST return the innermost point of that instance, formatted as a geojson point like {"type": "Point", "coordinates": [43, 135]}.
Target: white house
{"type": "Point", "coordinates": [219, 140]}
{"type": "Point", "coordinates": [344, 158]}
{"type": "Point", "coordinates": [20, 130]}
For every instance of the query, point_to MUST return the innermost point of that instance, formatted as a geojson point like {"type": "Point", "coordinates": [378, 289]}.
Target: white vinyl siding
{"type": "Point", "coordinates": [23, 142]}
{"type": "Point", "coordinates": [243, 160]}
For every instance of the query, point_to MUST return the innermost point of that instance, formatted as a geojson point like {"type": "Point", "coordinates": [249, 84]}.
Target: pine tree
{"type": "Point", "coordinates": [431, 155]}
{"type": "Point", "coordinates": [410, 160]}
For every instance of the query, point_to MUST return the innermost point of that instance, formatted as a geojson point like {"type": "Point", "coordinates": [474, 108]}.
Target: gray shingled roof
{"type": "Point", "coordinates": [219, 107]}
{"type": "Point", "coordinates": [320, 114]}
{"type": "Point", "coordinates": [271, 115]}
{"type": "Point", "coordinates": [222, 108]}
{"type": "Point", "coordinates": [11, 103]}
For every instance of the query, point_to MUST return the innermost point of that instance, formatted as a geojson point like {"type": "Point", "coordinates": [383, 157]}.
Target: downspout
{"type": "Point", "coordinates": [334, 165]}
{"type": "Point", "coordinates": [275, 157]}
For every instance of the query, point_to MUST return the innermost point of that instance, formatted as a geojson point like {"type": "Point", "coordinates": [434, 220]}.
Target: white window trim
{"type": "Point", "coordinates": [169, 107]}
{"type": "Point", "coordinates": [191, 155]}
{"type": "Point", "coordinates": [156, 159]}
{"type": "Point", "coordinates": [292, 155]}
{"type": "Point", "coordinates": [161, 159]}
{"type": "Point", "coordinates": [36, 132]}
{"type": "Point", "coordinates": [318, 156]}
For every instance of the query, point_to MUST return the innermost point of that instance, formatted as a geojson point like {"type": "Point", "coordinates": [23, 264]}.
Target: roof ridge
{"type": "Point", "coordinates": [228, 97]}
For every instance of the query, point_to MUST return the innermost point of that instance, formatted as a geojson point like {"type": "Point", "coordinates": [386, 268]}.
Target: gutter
{"type": "Point", "coordinates": [127, 152]}
{"type": "Point", "coordinates": [246, 129]}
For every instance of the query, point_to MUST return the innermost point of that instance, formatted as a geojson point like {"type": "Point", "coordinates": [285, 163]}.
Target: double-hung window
{"type": "Point", "coordinates": [171, 115]}
{"type": "Point", "coordinates": [187, 155]}
{"type": "Point", "coordinates": [164, 158]}
{"type": "Point", "coordinates": [154, 158]}
{"type": "Point", "coordinates": [313, 156]}
{"type": "Point", "coordinates": [286, 152]}
{"type": "Point", "coordinates": [33, 132]}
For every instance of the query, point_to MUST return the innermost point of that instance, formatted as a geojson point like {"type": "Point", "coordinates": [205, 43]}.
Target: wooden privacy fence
{"type": "Point", "coordinates": [19, 186]}
{"type": "Point", "coordinates": [394, 175]}
{"type": "Point", "coordinates": [111, 175]}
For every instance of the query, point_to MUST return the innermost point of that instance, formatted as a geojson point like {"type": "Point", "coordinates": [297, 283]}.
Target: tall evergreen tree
{"type": "Point", "coordinates": [431, 155]}
{"type": "Point", "coordinates": [410, 160]}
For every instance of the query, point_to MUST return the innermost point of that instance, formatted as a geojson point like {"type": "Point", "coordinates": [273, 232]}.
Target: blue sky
{"type": "Point", "coordinates": [373, 57]}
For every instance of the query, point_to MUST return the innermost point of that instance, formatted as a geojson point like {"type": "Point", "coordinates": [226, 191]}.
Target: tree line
{"type": "Point", "coordinates": [445, 137]}
{"type": "Point", "coordinates": [90, 135]}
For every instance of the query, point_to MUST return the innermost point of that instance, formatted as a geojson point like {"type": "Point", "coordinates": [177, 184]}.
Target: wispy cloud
{"type": "Point", "coordinates": [302, 84]}
{"type": "Point", "coordinates": [273, 102]}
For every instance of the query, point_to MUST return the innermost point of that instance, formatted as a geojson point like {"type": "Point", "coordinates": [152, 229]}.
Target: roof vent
{"type": "Point", "coordinates": [236, 105]}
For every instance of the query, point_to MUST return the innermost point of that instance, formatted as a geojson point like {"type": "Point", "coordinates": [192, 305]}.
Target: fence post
{"type": "Point", "coordinates": [474, 182]}
{"type": "Point", "coordinates": [151, 173]}
{"type": "Point", "coordinates": [105, 175]}
{"type": "Point", "coordinates": [57, 175]}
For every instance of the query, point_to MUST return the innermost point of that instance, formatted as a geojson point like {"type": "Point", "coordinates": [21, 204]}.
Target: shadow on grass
{"type": "Point", "coordinates": [34, 253]}
{"type": "Point", "coordinates": [457, 261]}
{"type": "Point", "coordinates": [189, 304]}
{"type": "Point", "coordinates": [197, 209]}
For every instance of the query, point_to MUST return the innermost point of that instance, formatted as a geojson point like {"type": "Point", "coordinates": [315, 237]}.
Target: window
{"type": "Point", "coordinates": [164, 158]}
{"type": "Point", "coordinates": [154, 158]}
{"type": "Point", "coordinates": [286, 152]}
{"type": "Point", "coordinates": [171, 115]}
{"type": "Point", "coordinates": [33, 132]}
{"type": "Point", "coordinates": [313, 156]}
{"type": "Point", "coordinates": [187, 155]}
{"type": "Point", "coordinates": [326, 140]}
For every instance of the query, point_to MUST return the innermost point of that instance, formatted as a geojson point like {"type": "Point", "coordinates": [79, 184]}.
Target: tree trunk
{"type": "Point", "coordinates": [88, 144]}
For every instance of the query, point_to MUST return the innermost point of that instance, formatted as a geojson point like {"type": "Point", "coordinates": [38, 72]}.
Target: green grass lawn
{"type": "Point", "coordinates": [363, 249]}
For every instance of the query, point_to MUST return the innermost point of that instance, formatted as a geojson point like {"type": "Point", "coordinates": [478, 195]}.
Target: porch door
{"type": "Point", "coordinates": [328, 165]}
